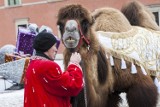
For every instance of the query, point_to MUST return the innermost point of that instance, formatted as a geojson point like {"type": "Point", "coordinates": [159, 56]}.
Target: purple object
{"type": "Point", "coordinates": [25, 41]}
{"type": "Point", "coordinates": [58, 43]}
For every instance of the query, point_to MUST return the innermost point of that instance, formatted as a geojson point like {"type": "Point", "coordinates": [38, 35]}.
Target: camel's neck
{"type": "Point", "coordinates": [94, 86]}
{"type": "Point", "coordinates": [89, 67]}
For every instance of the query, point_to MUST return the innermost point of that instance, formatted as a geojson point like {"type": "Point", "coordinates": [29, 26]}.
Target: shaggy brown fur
{"type": "Point", "coordinates": [139, 15]}
{"type": "Point", "coordinates": [115, 21]}
{"type": "Point", "coordinates": [104, 82]}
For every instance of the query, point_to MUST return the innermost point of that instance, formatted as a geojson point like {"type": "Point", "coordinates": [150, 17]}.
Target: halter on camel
{"type": "Point", "coordinates": [88, 46]}
{"type": "Point", "coordinates": [83, 38]}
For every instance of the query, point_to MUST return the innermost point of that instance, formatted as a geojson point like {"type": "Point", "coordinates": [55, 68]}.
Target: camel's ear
{"type": "Point", "coordinates": [60, 28]}
{"type": "Point", "coordinates": [85, 24]}
{"type": "Point", "coordinates": [59, 32]}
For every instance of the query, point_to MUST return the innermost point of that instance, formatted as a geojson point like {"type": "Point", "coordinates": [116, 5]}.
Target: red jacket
{"type": "Point", "coordinates": [47, 86]}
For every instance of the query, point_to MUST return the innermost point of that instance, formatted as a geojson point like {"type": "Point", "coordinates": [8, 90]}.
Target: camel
{"type": "Point", "coordinates": [145, 41]}
{"type": "Point", "coordinates": [107, 72]}
{"type": "Point", "coordinates": [139, 15]}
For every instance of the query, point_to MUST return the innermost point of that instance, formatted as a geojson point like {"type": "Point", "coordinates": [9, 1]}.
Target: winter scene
{"type": "Point", "coordinates": [80, 53]}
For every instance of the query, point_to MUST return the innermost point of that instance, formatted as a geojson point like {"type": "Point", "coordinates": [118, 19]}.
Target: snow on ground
{"type": "Point", "coordinates": [12, 98]}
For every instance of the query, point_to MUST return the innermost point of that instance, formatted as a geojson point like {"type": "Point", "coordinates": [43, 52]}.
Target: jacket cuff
{"type": "Point", "coordinates": [76, 64]}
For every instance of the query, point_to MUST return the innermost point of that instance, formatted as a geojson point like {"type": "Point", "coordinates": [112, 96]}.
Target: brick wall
{"type": "Point", "coordinates": [45, 14]}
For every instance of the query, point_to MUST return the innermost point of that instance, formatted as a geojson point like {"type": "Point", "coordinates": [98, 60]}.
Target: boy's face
{"type": "Point", "coordinates": [51, 53]}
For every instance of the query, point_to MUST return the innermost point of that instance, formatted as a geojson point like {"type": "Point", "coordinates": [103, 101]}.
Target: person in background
{"type": "Point", "coordinates": [45, 83]}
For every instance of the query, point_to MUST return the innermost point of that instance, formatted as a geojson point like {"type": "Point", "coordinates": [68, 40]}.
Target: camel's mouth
{"type": "Point", "coordinates": [70, 40]}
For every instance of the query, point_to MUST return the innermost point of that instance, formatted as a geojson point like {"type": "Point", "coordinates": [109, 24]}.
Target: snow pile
{"type": "Point", "coordinates": [12, 98]}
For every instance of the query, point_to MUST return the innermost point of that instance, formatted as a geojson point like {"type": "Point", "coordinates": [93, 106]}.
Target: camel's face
{"type": "Point", "coordinates": [74, 22]}
{"type": "Point", "coordinates": [71, 35]}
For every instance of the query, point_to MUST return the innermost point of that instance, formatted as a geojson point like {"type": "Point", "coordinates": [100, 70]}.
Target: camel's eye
{"type": "Point", "coordinates": [85, 25]}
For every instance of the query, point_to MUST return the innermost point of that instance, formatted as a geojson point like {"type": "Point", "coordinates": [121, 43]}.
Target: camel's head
{"type": "Point", "coordinates": [74, 23]}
